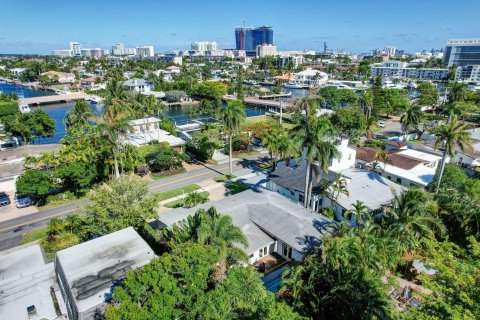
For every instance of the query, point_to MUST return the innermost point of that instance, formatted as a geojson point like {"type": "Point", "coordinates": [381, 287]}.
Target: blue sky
{"type": "Point", "coordinates": [39, 26]}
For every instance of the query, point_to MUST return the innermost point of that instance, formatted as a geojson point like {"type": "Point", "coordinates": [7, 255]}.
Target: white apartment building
{"type": "Point", "coordinates": [398, 69]}
{"type": "Point", "coordinates": [203, 46]}
{"type": "Point", "coordinates": [94, 53]}
{"type": "Point", "coordinates": [264, 50]}
{"type": "Point", "coordinates": [118, 49]}
{"type": "Point", "coordinates": [145, 52]}
{"type": "Point", "coordinates": [390, 50]}
{"type": "Point", "coordinates": [470, 73]}
{"type": "Point", "coordinates": [283, 59]}
{"type": "Point", "coordinates": [76, 48]}
{"type": "Point", "coordinates": [62, 53]}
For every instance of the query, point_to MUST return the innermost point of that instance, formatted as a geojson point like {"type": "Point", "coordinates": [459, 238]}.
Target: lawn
{"type": "Point", "coordinates": [245, 154]}
{"type": "Point", "coordinates": [34, 235]}
{"type": "Point", "coordinates": [223, 178]}
{"type": "Point", "coordinates": [257, 119]}
{"type": "Point", "coordinates": [179, 203]}
{"type": "Point", "coordinates": [177, 192]}
{"type": "Point", "coordinates": [236, 187]}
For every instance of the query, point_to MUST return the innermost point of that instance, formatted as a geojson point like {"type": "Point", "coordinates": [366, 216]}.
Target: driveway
{"type": "Point", "coordinates": [393, 128]}
{"type": "Point", "coordinates": [11, 211]}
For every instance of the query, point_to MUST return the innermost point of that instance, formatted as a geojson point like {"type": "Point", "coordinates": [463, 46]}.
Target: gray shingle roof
{"type": "Point", "coordinates": [263, 215]}
{"type": "Point", "coordinates": [293, 178]}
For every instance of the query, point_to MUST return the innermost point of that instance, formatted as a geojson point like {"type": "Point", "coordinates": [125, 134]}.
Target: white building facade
{"type": "Point", "coordinates": [145, 52]}
{"type": "Point", "coordinates": [398, 69]}
{"type": "Point", "coordinates": [264, 50]}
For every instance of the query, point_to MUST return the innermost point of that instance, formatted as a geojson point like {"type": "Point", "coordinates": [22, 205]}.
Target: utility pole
{"type": "Point", "coordinates": [281, 110]}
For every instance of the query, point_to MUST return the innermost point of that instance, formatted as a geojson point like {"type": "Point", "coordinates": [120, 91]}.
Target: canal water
{"type": "Point", "coordinates": [58, 111]}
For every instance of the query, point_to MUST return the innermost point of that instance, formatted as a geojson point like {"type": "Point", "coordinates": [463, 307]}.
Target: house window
{"type": "Point", "coordinates": [287, 251]}
{"type": "Point", "coordinates": [301, 198]}
{"type": "Point", "coordinates": [399, 181]}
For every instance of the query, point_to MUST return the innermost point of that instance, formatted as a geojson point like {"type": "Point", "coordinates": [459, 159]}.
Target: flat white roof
{"type": "Point", "coordinates": [25, 280]}
{"type": "Point", "coordinates": [141, 138]}
{"type": "Point", "coordinates": [138, 122]}
{"type": "Point", "coordinates": [369, 187]}
{"type": "Point", "coordinates": [420, 174]}
{"type": "Point", "coordinates": [91, 267]}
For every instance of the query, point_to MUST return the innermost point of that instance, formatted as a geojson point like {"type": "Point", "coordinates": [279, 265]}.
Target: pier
{"type": "Point", "coordinates": [54, 98]}
{"type": "Point", "coordinates": [261, 103]}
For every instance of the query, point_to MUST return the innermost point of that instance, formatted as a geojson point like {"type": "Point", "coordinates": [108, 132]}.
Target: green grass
{"type": "Point", "coordinates": [34, 235]}
{"type": "Point", "coordinates": [179, 203]}
{"type": "Point", "coordinates": [236, 187]}
{"type": "Point", "coordinates": [245, 154]}
{"type": "Point", "coordinates": [257, 119]}
{"type": "Point", "coordinates": [264, 166]}
{"type": "Point", "coordinates": [177, 192]}
{"type": "Point", "coordinates": [223, 178]}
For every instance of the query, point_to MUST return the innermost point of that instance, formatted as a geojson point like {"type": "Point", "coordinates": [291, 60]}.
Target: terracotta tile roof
{"type": "Point", "coordinates": [403, 161]}
{"type": "Point", "coordinates": [366, 154]}
{"type": "Point", "coordinates": [285, 77]}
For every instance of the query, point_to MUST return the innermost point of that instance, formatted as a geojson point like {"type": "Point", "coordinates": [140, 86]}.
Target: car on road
{"type": "Point", "coordinates": [4, 199]}
{"type": "Point", "coordinates": [22, 201]}
{"type": "Point", "coordinates": [381, 124]}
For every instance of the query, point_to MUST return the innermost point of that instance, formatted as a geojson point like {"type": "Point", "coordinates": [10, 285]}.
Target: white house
{"type": "Point", "coordinates": [404, 166]}
{"type": "Point", "coordinates": [271, 223]}
{"type": "Point", "coordinates": [469, 158]}
{"type": "Point", "coordinates": [146, 130]}
{"type": "Point", "coordinates": [138, 85]}
{"type": "Point", "coordinates": [310, 78]}
{"type": "Point", "coordinates": [93, 83]}
{"type": "Point", "coordinates": [18, 71]}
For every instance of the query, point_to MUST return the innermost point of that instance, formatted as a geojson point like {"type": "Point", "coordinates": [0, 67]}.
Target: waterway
{"type": "Point", "coordinates": [58, 111]}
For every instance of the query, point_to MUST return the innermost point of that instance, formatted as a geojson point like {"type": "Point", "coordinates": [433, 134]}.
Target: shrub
{"type": "Point", "coordinates": [167, 159]}
{"type": "Point", "coordinates": [241, 142]}
{"type": "Point", "coordinates": [36, 183]}
{"type": "Point", "coordinates": [175, 95]}
{"type": "Point", "coordinates": [8, 109]}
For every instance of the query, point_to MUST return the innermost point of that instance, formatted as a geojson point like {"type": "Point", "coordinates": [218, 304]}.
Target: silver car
{"type": "Point", "coordinates": [22, 201]}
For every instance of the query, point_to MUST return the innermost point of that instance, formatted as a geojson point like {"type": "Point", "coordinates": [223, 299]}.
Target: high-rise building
{"type": "Point", "coordinates": [264, 50]}
{"type": "Point", "coordinates": [390, 50]}
{"type": "Point", "coordinates": [203, 46]}
{"type": "Point", "coordinates": [462, 52]}
{"type": "Point", "coordinates": [145, 52]}
{"type": "Point", "coordinates": [249, 38]}
{"type": "Point", "coordinates": [118, 49]}
{"type": "Point", "coordinates": [62, 53]}
{"type": "Point", "coordinates": [76, 48]}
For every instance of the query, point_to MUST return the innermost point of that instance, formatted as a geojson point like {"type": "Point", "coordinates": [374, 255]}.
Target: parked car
{"type": "Point", "coordinates": [22, 201]}
{"type": "Point", "coordinates": [4, 199]}
{"type": "Point", "coordinates": [381, 124]}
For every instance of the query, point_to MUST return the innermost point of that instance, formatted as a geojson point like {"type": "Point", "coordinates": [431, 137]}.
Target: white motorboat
{"type": "Point", "coordinates": [24, 108]}
{"type": "Point", "coordinates": [293, 85]}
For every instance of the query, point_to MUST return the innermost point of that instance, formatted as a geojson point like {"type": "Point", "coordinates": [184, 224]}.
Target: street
{"type": "Point", "coordinates": [12, 231]}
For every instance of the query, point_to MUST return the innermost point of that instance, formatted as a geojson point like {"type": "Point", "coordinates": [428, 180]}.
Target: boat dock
{"type": "Point", "coordinates": [54, 98]}
{"type": "Point", "coordinates": [276, 96]}
{"type": "Point", "coordinates": [261, 102]}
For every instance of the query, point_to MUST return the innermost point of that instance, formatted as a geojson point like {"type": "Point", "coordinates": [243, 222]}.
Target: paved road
{"type": "Point", "coordinates": [12, 231]}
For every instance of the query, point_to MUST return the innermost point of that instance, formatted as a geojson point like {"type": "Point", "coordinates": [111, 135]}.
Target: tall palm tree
{"type": "Point", "coordinates": [414, 215]}
{"type": "Point", "coordinates": [272, 143]}
{"type": "Point", "coordinates": [360, 212]}
{"type": "Point", "coordinates": [338, 187]}
{"type": "Point", "coordinates": [382, 154]}
{"type": "Point", "coordinates": [411, 118]}
{"type": "Point", "coordinates": [450, 135]}
{"type": "Point", "coordinates": [312, 134]}
{"type": "Point", "coordinates": [233, 119]}
{"type": "Point", "coordinates": [457, 92]}
{"type": "Point", "coordinates": [211, 228]}
{"type": "Point", "coordinates": [79, 116]}
{"type": "Point", "coordinates": [117, 103]}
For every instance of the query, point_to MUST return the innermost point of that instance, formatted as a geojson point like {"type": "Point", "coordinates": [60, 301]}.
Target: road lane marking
{"type": "Point", "coordinates": [188, 178]}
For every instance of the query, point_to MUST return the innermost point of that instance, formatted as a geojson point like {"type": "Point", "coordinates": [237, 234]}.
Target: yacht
{"type": "Point", "coordinates": [24, 108]}
{"type": "Point", "coordinates": [293, 85]}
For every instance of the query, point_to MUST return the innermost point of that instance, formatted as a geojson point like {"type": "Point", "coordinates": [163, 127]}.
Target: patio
{"type": "Point", "coordinates": [271, 261]}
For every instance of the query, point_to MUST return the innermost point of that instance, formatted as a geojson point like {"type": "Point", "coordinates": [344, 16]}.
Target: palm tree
{"type": "Point", "coordinates": [411, 117]}
{"type": "Point", "coordinates": [79, 116]}
{"type": "Point", "coordinates": [457, 92]}
{"type": "Point", "coordinates": [382, 154]}
{"type": "Point", "coordinates": [338, 187]}
{"type": "Point", "coordinates": [211, 228]}
{"type": "Point", "coordinates": [312, 134]}
{"type": "Point", "coordinates": [414, 215]}
{"type": "Point", "coordinates": [194, 198]}
{"type": "Point", "coordinates": [116, 102]}
{"type": "Point", "coordinates": [450, 135]}
{"type": "Point", "coordinates": [233, 118]}
{"type": "Point", "coordinates": [360, 212]}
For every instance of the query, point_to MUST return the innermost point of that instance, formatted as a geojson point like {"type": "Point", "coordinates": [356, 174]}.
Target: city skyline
{"type": "Point", "coordinates": [363, 27]}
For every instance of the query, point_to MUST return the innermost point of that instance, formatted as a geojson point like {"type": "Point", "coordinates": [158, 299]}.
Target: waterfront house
{"type": "Point", "coordinates": [60, 77]}
{"type": "Point", "coordinates": [138, 85]}
{"type": "Point", "coordinates": [93, 83]}
{"type": "Point", "coordinates": [147, 129]}
{"type": "Point", "coordinates": [17, 71]}
{"type": "Point", "coordinates": [470, 157]}
{"type": "Point", "coordinates": [310, 78]}
{"type": "Point", "coordinates": [272, 224]}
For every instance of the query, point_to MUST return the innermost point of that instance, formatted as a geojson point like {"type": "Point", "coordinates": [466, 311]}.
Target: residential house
{"type": "Point", "coordinates": [93, 83]}
{"type": "Point", "coordinates": [271, 223]}
{"type": "Point", "coordinates": [87, 273]}
{"type": "Point", "coordinates": [405, 166]}
{"type": "Point", "coordinates": [147, 129]}
{"type": "Point", "coordinates": [28, 288]}
{"type": "Point", "coordinates": [470, 157]}
{"type": "Point", "coordinates": [60, 77]}
{"type": "Point", "coordinates": [17, 71]}
{"type": "Point", "coordinates": [138, 85]}
{"type": "Point", "coordinates": [310, 78]}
